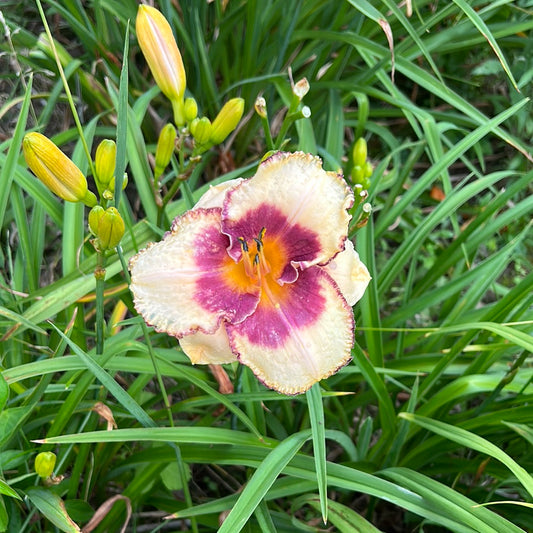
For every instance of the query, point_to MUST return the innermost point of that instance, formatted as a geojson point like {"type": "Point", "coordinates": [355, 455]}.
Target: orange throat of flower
{"type": "Point", "coordinates": [261, 265]}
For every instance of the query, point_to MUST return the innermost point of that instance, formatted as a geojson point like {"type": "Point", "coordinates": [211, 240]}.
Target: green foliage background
{"type": "Point", "coordinates": [434, 414]}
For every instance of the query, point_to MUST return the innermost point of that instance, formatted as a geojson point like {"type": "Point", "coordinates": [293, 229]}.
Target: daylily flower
{"type": "Point", "coordinates": [260, 272]}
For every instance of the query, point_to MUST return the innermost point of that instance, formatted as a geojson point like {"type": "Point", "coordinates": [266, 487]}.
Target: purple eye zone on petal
{"type": "Point", "coordinates": [213, 289]}
{"type": "Point", "coordinates": [297, 306]}
{"type": "Point", "coordinates": [299, 243]}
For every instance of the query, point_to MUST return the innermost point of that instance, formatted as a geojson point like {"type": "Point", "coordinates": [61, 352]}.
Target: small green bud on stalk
{"type": "Point", "coordinates": [108, 227]}
{"type": "Point", "coordinates": [201, 129]}
{"type": "Point", "coordinates": [165, 149]}
{"type": "Point", "coordinates": [56, 170]}
{"type": "Point", "coordinates": [226, 120]}
{"type": "Point", "coordinates": [190, 109]}
{"type": "Point", "coordinates": [44, 464]}
{"type": "Point", "coordinates": [104, 162]}
{"type": "Point", "coordinates": [359, 152]}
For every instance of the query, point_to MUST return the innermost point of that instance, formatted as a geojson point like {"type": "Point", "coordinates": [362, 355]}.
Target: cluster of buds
{"type": "Point", "coordinates": [162, 54]}
{"type": "Point", "coordinates": [362, 168]}
{"type": "Point", "coordinates": [207, 134]}
{"type": "Point", "coordinates": [361, 172]}
{"type": "Point", "coordinates": [107, 226]}
{"type": "Point", "coordinates": [67, 181]}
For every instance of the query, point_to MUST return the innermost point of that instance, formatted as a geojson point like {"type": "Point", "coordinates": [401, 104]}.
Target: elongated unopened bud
{"type": "Point", "coordinates": [165, 149]}
{"type": "Point", "coordinates": [201, 130]}
{"type": "Point", "coordinates": [161, 52]}
{"type": "Point", "coordinates": [227, 120]}
{"type": "Point", "coordinates": [104, 162]}
{"type": "Point", "coordinates": [190, 109]}
{"type": "Point", "coordinates": [56, 170]}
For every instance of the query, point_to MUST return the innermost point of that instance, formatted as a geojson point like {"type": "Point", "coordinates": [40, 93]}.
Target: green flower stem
{"type": "Point", "coordinates": [290, 118]}
{"type": "Point", "coordinates": [99, 275]}
{"type": "Point", "coordinates": [268, 135]}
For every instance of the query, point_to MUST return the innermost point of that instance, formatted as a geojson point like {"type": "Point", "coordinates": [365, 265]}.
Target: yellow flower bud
{"type": "Point", "coordinates": [108, 227]}
{"type": "Point", "coordinates": [56, 170]}
{"type": "Point", "coordinates": [104, 162]}
{"type": "Point", "coordinates": [44, 464]}
{"type": "Point", "coordinates": [190, 109]}
{"type": "Point", "coordinates": [201, 130]}
{"type": "Point", "coordinates": [161, 52]}
{"type": "Point", "coordinates": [227, 120]}
{"type": "Point", "coordinates": [359, 152]}
{"type": "Point", "coordinates": [165, 149]}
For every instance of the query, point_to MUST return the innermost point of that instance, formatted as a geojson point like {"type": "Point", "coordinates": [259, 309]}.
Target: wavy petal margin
{"type": "Point", "coordinates": [180, 284]}
{"type": "Point", "coordinates": [297, 337]}
{"type": "Point", "coordinates": [295, 189]}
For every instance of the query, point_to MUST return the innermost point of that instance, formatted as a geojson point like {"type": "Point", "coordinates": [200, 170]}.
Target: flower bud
{"type": "Point", "coordinates": [107, 225]}
{"type": "Point", "coordinates": [161, 52]}
{"type": "Point", "coordinates": [201, 130]}
{"type": "Point", "coordinates": [359, 152]}
{"type": "Point", "coordinates": [301, 88]}
{"type": "Point", "coordinates": [56, 170]}
{"type": "Point", "coordinates": [260, 107]}
{"type": "Point", "coordinates": [44, 464]}
{"type": "Point", "coordinates": [190, 109]}
{"type": "Point", "coordinates": [165, 149]}
{"type": "Point", "coordinates": [227, 120]}
{"type": "Point", "coordinates": [104, 162]}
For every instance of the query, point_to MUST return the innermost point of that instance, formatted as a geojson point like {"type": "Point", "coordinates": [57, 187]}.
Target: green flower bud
{"type": "Point", "coordinates": [95, 214]}
{"type": "Point", "coordinates": [201, 129]}
{"type": "Point", "coordinates": [56, 170]}
{"type": "Point", "coordinates": [165, 149]}
{"type": "Point", "coordinates": [108, 227]}
{"type": "Point", "coordinates": [190, 109]}
{"type": "Point", "coordinates": [369, 168]}
{"type": "Point", "coordinates": [44, 464]}
{"type": "Point", "coordinates": [227, 120]}
{"type": "Point", "coordinates": [104, 162]}
{"type": "Point", "coordinates": [359, 152]}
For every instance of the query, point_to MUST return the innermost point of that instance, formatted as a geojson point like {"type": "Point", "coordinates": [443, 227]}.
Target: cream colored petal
{"type": "Point", "coordinates": [214, 196]}
{"type": "Point", "coordinates": [204, 349]}
{"type": "Point", "coordinates": [180, 284]}
{"type": "Point", "coordinates": [295, 189]}
{"type": "Point", "coordinates": [297, 337]}
{"type": "Point", "coordinates": [350, 274]}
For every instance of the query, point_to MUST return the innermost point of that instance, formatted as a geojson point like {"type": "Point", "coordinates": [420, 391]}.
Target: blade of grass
{"type": "Point", "coordinates": [110, 384]}
{"type": "Point", "coordinates": [475, 442]}
{"type": "Point", "coordinates": [477, 21]}
{"type": "Point", "coordinates": [8, 168]}
{"type": "Point", "coordinates": [263, 478]}
{"type": "Point", "coordinates": [318, 432]}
